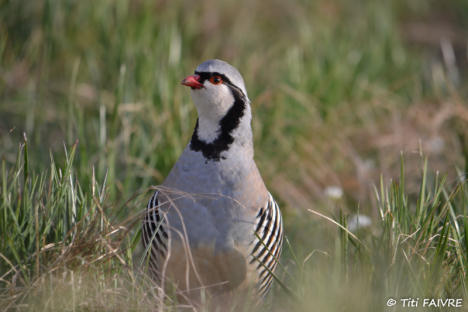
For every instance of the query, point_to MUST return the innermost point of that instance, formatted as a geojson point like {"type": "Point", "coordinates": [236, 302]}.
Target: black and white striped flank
{"type": "Point", "coordinates": [155, 237]}
{"type": "Point", "coordinates": [267, 244]}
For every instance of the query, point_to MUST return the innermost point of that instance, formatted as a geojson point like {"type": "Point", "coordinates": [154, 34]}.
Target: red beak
{"type": "Point", "coordinates": [193, 82]}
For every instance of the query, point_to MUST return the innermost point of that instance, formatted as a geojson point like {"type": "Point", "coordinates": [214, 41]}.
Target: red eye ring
{"type": "Point", "coordinates": [216, 80]}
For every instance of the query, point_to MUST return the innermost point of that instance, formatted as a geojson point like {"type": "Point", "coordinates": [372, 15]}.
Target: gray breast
{"type": "Point", "coordinates": [218, 200]}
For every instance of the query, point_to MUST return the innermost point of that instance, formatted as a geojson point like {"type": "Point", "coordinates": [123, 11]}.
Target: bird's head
{"type": "Point", "coordinates": [215, 86]}
{"type": "Point", "coordinates": [219, 94]}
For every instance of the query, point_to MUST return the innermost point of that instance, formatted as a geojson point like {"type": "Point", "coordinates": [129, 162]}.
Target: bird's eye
{"type": "Point", "coordinates": [216, 79]}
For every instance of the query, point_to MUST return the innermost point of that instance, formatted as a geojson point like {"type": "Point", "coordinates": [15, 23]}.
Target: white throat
{"type": "Point", "coordinates": [208, 130]}
{"type": "Point", "coordinates": [212, 103]}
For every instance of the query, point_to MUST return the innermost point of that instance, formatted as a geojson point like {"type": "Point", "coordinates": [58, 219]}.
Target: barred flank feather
{"type": "Point", "coordinates": [154, 235]}
{"type": "Point", "coordinates": [267, 244]}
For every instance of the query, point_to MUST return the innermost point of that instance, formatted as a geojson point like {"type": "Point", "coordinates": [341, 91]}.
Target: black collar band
{"type": "Point", "coordinates": [213, 150]}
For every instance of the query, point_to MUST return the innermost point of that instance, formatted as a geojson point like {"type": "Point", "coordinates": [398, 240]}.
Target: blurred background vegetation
{"type": "Point", "coordinates": [349, 99]}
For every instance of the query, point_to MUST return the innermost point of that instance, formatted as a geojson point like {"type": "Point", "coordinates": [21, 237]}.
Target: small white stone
{"type": "Point", "coordinates": [436, 145]}
{"type": "Point", "coordinates": [358, 221]}
{"type": "Point", "coordinates": [334, 192]}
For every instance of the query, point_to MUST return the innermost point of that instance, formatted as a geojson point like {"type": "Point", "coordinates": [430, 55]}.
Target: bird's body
{"type": "Point", "coordinates": [213, 222]}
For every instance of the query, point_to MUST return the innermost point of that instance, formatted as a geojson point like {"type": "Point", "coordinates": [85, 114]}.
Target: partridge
{"type": "Point", "coordinates": [212, 223]}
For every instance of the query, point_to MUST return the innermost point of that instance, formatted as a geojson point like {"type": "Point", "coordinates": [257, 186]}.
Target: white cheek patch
{"type": "Point", "coordinates": [212, 103]}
